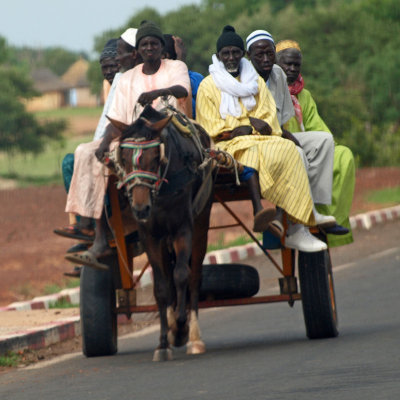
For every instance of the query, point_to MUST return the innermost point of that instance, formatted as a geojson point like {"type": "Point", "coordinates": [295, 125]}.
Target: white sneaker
{"type": "Point", "coordinates": [324, 221]}
{"type": "Point", "coordinates": [303, 240]}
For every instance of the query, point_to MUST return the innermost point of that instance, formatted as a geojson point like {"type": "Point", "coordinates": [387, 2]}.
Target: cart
{"type": "Point", "coordinates": [105, 294]}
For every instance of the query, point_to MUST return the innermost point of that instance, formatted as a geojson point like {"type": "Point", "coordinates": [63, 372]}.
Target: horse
{"type": "Point", "coordinates": [169, 186]}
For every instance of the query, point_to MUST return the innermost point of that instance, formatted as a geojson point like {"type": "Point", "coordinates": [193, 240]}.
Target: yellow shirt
{"type": "Point", "coordinates": [207, 109]}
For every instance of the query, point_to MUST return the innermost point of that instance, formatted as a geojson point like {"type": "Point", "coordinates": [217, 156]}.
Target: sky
{"type": "Point", "coordinates": [71, 24]}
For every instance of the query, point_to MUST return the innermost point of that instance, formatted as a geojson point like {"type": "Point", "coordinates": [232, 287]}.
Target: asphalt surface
{"type": "Point", "coordinates": [257, 352]}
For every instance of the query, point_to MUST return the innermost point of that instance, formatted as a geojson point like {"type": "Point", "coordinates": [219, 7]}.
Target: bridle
{"type": "Point", "coordinates": [139, 177]}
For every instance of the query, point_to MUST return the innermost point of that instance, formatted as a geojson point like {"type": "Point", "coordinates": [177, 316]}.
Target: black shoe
{"type": "Point", "coordinates": [76, 272]}
{"type": "Point", "coordinates": [336, 230]}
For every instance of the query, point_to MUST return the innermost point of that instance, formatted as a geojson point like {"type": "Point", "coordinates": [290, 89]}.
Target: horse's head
{"type": "Point", "coordinates": [141, 158]}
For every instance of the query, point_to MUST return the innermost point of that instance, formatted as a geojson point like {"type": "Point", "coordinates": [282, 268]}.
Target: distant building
{"type": "Point", "coordinates": [79, 94]}
{"type": "Point", "coordinates": [54, 91]}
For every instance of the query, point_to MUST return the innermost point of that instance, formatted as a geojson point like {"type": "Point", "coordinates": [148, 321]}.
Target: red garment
{"type": "Point", "coordinates": [294, 89]}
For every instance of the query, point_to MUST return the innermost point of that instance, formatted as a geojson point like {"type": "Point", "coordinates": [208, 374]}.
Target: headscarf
{"type": "Point", "coordinates": [295, 88]}
{"type": "Point", "coordinates": [231, 89]}
{"type": "Point", "coordinates": [110, 49]}
{"type": "Point", "coordinates": [287, 44]}
{"type": "Point", "coordinates": [258, 35]}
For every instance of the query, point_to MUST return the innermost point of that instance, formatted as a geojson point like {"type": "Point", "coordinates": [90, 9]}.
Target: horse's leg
{"type": "Point", "coordinates": [182, 246]}
{"type": "Point", "coordinates": [161, 293]}
{"type": "Point", "coordinates": [199, 249]}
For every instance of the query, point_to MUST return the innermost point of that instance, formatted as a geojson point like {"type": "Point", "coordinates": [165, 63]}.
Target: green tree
{"type": "Point", "coordinates": [56, 59]}
{"type": "Point", "coordinates": [19, 130]}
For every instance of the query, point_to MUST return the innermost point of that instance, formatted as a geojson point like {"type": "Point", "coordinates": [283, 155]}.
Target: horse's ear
{"type": "Point", "coordinates": [160, 125]}
{"type": "Point", "coordinates": [118, 124]}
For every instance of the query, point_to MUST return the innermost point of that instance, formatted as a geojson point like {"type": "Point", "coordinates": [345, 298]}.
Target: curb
{"type": "Point", "coordinates": [359, 221]}
{"type": "Point", "coordinates": [46, 335]}
{"type": "Point", "coordinates": [70, 327]}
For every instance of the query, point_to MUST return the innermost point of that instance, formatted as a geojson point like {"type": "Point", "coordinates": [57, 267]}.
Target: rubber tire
{"type": "Point", "coordinates": [318, 295]}
{"type": "Point", "coordinates": [228, 281]}
{"type": "Point", "coordinates": [98, 315]}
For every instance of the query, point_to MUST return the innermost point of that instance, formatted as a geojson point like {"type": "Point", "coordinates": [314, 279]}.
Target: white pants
{"type": "Point", "coordinates": [317, 153]}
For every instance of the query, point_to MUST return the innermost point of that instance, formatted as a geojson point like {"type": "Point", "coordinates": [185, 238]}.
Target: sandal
{"type": "Point", "coordinates": [88, 259]}
{"type": "Point", "coordinates": [73, 232]}
{"type": "Point", "coordinates": [263, 218]}
{"type": "Point", "coordinates": [276, 228]}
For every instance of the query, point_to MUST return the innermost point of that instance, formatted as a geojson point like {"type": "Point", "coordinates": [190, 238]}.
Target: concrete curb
{"type": "Point", "coordinates": [70, 327]}
{"type": "Point", "coordinates": [44, 336]}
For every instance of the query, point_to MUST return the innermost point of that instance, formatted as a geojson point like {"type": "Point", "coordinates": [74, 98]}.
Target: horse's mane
{"type": "Point", "coordinates": [148, 114]}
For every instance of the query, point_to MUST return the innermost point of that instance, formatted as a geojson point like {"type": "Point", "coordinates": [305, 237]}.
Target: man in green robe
{"type": "Point", "coordinates": [306, 118]}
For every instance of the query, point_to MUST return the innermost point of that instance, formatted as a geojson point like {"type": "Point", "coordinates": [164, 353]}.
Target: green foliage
{"type": "Point", "coordinates": [63, 302]}
{"type": "Point", "coordinates": [41, 169]}
{"type": "Point", "coordinates": [10, 359]}
{"type": "Point", "coordinates": [20, 131]}
{"type": "Point", "coordinates": [351, 58]}
{"type": "Point", "coordinates": [95, 77]}
{"type": "Point", "coordinates": [223, 244]}
{"type": "Point", "coordinates": [385, 196]}
{"type": "Point", "coordinates": [56, 59]}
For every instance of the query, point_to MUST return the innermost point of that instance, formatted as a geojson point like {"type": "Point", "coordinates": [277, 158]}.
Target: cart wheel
{"type": "Point", "coordinates": [228, 281]}
{"type": "Point", "coordinates": [98, 316]}
{"type": "Point", "coordinates": [318, 295]}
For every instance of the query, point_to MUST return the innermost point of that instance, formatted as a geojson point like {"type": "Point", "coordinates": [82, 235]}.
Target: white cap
{"type": "Point", "coordinates": [258, 35]}
{"type": "Point", "coordinates": [129, 36]}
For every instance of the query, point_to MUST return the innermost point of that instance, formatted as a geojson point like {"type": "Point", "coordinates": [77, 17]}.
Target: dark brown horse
{"type": "Point", "coordinates": [169, 188]}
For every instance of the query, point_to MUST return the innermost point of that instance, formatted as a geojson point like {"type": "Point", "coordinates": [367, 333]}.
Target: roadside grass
{"type": "Point", "coordinates": [45, 168]}
{"type": "Point", "coordinates": [68, 283]}
{"type": "Point", "coordinates": [70, 112]}
{"type": "Point", "coordinates": [385, 196]}
{"type": "Point", "coordinates": [42, 169]}
{"type": "Point", "coordinates": [222, 244]}
{"type": "Point", "coordinates": [10, 359]}
{"type": "Point", "coordinates": [62, 303]}
{"type": "Point", "coordinates": [27, 291]}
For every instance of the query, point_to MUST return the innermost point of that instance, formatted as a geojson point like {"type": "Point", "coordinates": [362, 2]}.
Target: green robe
{"type": "Point", "coordinates": [343, 169]}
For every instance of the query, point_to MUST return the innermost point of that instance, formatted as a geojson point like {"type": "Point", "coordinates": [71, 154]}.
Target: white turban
{"type": "Point", "coordinates": [258, 35]}
{"type": "Point", "coordinates": [129, 36]}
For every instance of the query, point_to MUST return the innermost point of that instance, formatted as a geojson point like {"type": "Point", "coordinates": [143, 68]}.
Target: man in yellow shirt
{"type": "Point", "coordinates": [239, 113]}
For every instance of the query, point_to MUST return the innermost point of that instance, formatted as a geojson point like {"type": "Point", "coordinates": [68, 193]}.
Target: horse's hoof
{"type": "Point", "coordinates": [197, 347]}
{"type": "Point", "coordinates": [163, 355]}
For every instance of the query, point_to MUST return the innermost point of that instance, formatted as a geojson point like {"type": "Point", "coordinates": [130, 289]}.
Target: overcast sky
{"type": "Point", "coordinates": [72, 24]}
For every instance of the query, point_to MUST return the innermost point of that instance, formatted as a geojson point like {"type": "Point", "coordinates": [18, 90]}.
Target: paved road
{"type": "Point", "coordinates": [257, 352]}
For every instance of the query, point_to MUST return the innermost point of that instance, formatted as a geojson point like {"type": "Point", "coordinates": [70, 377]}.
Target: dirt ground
{"type": "Point", "coordinates": [31, 257]}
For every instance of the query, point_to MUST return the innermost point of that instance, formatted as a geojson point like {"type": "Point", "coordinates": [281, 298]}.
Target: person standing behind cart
{"type": "Point", "coordinates": [239, 113]}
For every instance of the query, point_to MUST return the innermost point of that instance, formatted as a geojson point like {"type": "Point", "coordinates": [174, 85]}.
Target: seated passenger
{"type": "Point", "coordinates": [238, 111]}
{"type": "Point", "coordinates": [317, 147]}
{"type": "Point", "coordinates": [109, 67]}
{"type": "Point", "coordinates": [289, 57]}
{"type": "Point", "coordinates": [142, 85]}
